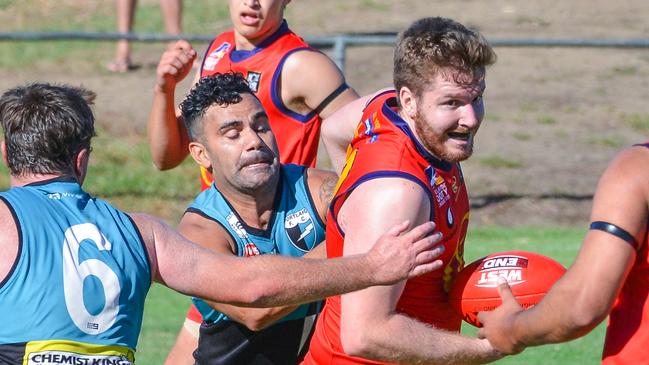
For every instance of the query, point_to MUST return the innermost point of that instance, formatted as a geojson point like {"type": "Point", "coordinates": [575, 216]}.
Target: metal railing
{"type": "Point", "coordinates": [337, 43]}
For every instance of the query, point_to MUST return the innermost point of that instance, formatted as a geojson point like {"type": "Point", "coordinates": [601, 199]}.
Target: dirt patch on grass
{"type": "Point", "coordinates": [555, 116]}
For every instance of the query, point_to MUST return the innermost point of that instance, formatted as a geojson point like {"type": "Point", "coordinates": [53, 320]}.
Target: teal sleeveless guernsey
{"type": "Point", "coordinates": [293, 230]}
{"type": "Point", "coordinates": [76, 292]}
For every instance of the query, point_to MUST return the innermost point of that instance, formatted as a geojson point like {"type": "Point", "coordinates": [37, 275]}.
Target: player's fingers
{"type": "Point", "coordinates": [428, 242]}
{"type": "Point", "coordinates": [426, 268]}
{"type": "Point", "coordinates": [176, 63]}
{"type": "Point", "coordinates": [183, 45]}
{"type": "Point", "coordinates": [505, 291]}
{"type": "Point", "coordinates": [165, 70]}
{"type": "Point", "coordinates": [398, 229]}
{"type": "Point", "coordinates": [419, 232]}
{"type": "Point", "coordinates": [482, 318]}
{"type": "Point", "coordinates": [481, 331]}
{"type": "Point", "coordinates": [428, 251]}
{"type": "Point", "coordinates": [184, 58]}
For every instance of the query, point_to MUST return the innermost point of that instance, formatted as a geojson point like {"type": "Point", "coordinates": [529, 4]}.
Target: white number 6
{"type": "Point", "coordinates": [75, 272]}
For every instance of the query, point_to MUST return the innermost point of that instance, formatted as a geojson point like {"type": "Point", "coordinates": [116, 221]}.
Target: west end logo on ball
{"type": "Point", "coordinates": [300, 229]}
{"type": "Point", "coordinates": [509, 267]}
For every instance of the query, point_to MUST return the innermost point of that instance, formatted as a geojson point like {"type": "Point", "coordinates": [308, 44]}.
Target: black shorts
{"type": "Point", "coordinates": [231, 343]}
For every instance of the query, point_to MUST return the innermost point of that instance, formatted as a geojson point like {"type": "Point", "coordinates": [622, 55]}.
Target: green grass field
{"type": "Point", "coordinates": [121, 172]}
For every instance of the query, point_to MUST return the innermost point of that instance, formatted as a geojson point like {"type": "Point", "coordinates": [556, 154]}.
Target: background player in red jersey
{"type": "Point", "coordinates": [403, 163]}
{"type": "Point", "coordinates": [609, 276]}
{"type": "Point", "coordinates": [296, 85]}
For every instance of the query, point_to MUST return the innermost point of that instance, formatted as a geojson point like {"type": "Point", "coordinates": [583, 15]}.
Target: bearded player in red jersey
{"type": "Point", "coordinates": [403, 163]}
{"type": "Point", "coordinates": [296, 84]}
{"type": "Point", "coordinates": [610, 276]}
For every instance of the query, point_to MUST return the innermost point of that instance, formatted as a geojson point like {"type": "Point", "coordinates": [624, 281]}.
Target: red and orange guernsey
{"type": "Point", "coordinates": [627, 334]}
{"type": "Point", "coordinates": [385, 147]}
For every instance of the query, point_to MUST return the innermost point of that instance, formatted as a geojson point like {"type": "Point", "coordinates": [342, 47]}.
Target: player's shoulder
{"type": "Point", "coordinates": [148, 225]}
{"type": "Point", "coordinates": [196, 222]}
{"type": "Point", "coordinates": [308, 60]}
{"type": "Point", "coordinates": [321, 180]}
{"type": "Point", "coordinates": [628, 172]}
{"type": "Point", "coordinates": [319, 175]}
{"type": "Point", "coordinates": [633, 160]}
{"type": "Point", "coordinates": [403, 195]}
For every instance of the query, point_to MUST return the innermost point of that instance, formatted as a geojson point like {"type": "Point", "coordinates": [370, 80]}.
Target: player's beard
{"type": "Point", "coordinates": [439, 144]}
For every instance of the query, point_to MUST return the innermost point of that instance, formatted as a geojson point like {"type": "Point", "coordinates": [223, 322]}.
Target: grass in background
{"type": "Point", "coordinates": [121, 172]}
{"type": "Point", "coordinates": [499, 162]}
{"type": "Point", "coordinates": [164, 314]}
{"type": "Point", "coordinates": [199, 17]}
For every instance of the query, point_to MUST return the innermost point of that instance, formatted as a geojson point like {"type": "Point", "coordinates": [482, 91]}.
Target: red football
{"type": "Point", "coordinates": [530, 275]}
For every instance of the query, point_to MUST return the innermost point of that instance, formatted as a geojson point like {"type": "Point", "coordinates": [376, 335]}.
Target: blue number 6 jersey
{"type": "Point", "coordinates": [75, 294]}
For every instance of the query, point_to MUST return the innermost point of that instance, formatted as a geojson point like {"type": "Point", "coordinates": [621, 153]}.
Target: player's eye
{"type": "Point", "coordinates": [231, 133]}
{"type": "Point", "coordinates": [452, 103]}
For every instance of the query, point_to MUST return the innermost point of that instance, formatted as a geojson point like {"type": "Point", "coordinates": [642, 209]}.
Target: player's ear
{"type": "Point", "coordinates": [408, 101]}
{"type": "Point", "coordinates": [199, 154]}
{"type": "Point", "coordinates": [81, 163]}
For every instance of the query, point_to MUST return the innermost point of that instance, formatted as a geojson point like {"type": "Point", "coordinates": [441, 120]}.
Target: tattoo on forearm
{"type": "Point", "coordinates": [327, 189]}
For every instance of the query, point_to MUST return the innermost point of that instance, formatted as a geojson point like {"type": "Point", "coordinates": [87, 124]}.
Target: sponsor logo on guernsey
{"type": "Point", "coordinates": [300, 229]}
{"type": "Point", "coordinates": [215, 56]}
{"type": "Point", "coordinates": [59, 196]}
{"type": "Point", "coordinates": [253, 80]}
{"type": "Point", "coordinates": [440, 189]}
{"type": "Point", "coordinates": [72, 358]}
{"type": "Point", "coordinates": [249, 249]}
{"type": "Point", "coordinates": [509, 267]}
{"type": "Point", "coordinates": [236, 226]}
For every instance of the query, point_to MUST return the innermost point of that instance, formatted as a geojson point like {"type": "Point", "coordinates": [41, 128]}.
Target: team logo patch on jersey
{"type": "Point", "coordinates": [300, 229]}
{"type": "Point", "coordinates": [370, 126]}
{"type": "Point", "coordinates": [253, 80]}
{"type": "Point", "coordinates": [454, 186]}
{"type": "Point", "coordinates": [440, 189]}
{"type": "Point", "coordinates": [215, 56]}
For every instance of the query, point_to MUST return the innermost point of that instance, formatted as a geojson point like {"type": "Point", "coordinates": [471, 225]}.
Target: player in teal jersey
{"type": "Point", "coordinates": [255, 206]}
{"type": "Point", "coordinates": [74, 271]}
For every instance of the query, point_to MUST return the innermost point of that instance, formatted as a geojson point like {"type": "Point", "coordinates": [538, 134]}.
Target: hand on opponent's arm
{"type": "Point", "coordinates": [193, 270]}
